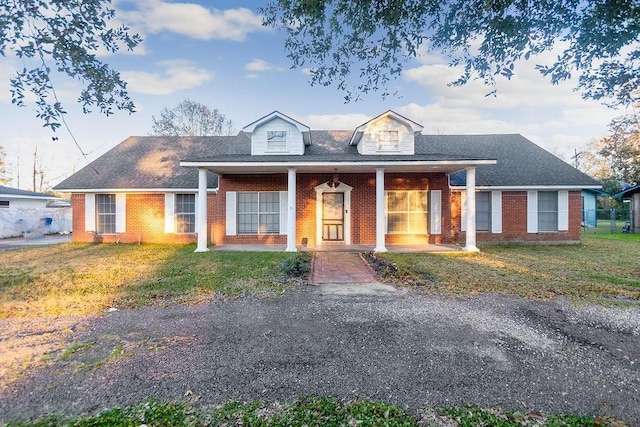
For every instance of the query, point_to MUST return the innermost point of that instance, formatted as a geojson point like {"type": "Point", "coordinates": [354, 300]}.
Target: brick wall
{"type": "Point", "coordinates": [144, 221]}
{"type": "Point", "coordinates": [363, 205]}
{"type": "Point", "coordinates": [514, 221]}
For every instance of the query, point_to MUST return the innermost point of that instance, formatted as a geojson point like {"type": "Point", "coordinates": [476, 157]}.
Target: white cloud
{"type": "Point", "coordinates": [262, 65]}
{"type": "Point", "coordinates": [252, 76]}
{"type": "Point", "coordinates": [192, 20]}
{"type": "Point", "coordinates": [177, 75]}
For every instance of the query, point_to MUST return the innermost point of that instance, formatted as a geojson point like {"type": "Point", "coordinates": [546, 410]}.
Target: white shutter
{"type": "Point", "coordinates": [563, 210]}
{"type": "Point", "coordinates": [496, 212]}
{"type": "Point", "coordinates": [284, 212]}
{"type": "Point", "coordinates": [231, 213]}
{"type": "Point", "coordinates": [169, 213]}
{"type": "Point", "coordinates": [532, 211]}
{"type": "Point", "coordinates": [89, 212]}
{"type": "Point", "coordinates": [435, 211]}
{"type": "Point", "coordinates": [463, 210]}
{"type": "Point", "coordinates": [121, 213]}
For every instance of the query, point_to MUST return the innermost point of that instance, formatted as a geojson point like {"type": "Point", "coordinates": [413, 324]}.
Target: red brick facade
{"type": "Point", "coordinates": [145, 213]}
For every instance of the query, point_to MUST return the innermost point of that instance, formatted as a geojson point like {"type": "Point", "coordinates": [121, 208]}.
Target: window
{"type": "Point", "coordinates": [483, 211]}
{"type": "Point", "coordinates": [4, 203]}
{"type": "Point", "coordinates": [407, 212]}
{"type": "Point", "coordinates": [259, 213]}
{"type": "Point", "coordinates": [547, 211]}
{"type": "Point", "coordinates": [185, 213]}
{"type": "Point", "coordinates": [388, 140]}
{"type": "Point", "coordinates": [106, 213]}
{"type": "Point", "coordinates": [276, 140]}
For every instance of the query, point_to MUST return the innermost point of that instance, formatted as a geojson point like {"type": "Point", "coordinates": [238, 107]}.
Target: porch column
{"type": "Point", "coordinates": [380, 212]}
{"type": "Point", "coordinates": [291, 211]}
{"type": "Point", "coordinates": [471, 211]}
{"type": "Point", "coordinates": [201, 225]}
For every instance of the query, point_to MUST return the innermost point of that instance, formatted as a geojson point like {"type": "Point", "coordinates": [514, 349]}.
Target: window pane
{"type": "Point", "coordinates": [483, 211]}
{"type": "Point", "coordinates": [397, 201]}
{"type": "Point", "coordinates": [388, 140]}
{"type": "Point", "coordinates": [276, 140]}
{"type": "Point", "coordinates": [407, 212]}
{"type": "Point", "coordinates": [418, 222]}
{"type": "Point", "coordinates": [259, 213]}
{"type": "Point", "coordinates": [397, 223]}
{"type": "Point", "coordinates": [106, 213]}
{"type": "Point", "coordinates": [547, 211]}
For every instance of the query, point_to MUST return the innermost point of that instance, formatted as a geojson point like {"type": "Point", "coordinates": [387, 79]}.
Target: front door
{"type": "Point", "coordinates": [333, 217]}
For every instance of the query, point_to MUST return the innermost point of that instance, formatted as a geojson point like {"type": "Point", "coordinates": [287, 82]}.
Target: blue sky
{"type": "Point", "coordinates": [217, 53]}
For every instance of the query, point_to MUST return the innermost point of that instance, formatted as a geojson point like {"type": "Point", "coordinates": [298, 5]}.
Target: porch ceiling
{"type": "Point", "coordinates": [416, 166]}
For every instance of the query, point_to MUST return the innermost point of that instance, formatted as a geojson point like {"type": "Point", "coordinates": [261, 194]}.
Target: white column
{"type": "Point", "coordinates": [471, 211]}
{"type": "Point", "coordinates": [201, 225]}
{"type": "Point", "coordinates": [380, 212]}
{"type": "Point", "coordinates": [291, 211]}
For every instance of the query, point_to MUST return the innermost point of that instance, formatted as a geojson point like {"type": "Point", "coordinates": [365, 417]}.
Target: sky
{"type": "Point", "coordinates": [218, 53]}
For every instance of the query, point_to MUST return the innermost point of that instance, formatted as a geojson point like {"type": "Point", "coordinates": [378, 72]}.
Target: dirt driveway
{"type": "Point", "coordinates": [372, 342]}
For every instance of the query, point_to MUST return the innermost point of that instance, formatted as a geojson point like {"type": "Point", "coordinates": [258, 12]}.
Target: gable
{"type": "Point", "coordinates": [276, 136]}
{"type": "Point", "coordinates": [389, 133]}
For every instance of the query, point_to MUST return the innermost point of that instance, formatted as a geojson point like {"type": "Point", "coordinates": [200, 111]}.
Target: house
{"type": "Point", "coordinates": [29, 213]}
{"type": "Point", "coordinates": [633, 195]}
{"type": "Point", "coordinates": [279, 182]}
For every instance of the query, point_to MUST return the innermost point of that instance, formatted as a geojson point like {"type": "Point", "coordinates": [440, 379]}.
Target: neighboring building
{"type": "Point", "coordinates": [279, 182]}
{"type": "Point", "coordinates": [590, 207]}
{"type": "Point", "coordinates": [632, 194]}
{"type": "Point", "coordinates": [26, 213]}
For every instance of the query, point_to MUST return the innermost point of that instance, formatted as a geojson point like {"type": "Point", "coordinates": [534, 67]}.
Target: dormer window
{"type": "Point", "coordinates": [388, 140]}
{"type": "Point", "coordinates": [277, 140]}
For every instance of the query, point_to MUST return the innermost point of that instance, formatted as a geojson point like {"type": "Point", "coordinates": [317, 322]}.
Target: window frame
{"type": "Point", "coordinates": [180, 214]}
{"type": "Point", "coordinates": [101, 225]}
{"type": "Point", "coordinates": [409, 212]}
{"type": "Point", "coordinates": [267, 222]}
{"type": "Point", "coordinates": [549, 213]}
{"type": "Point", "coordinates": [283, 141]}
{"type": "Point", "coordinates": [4, 204]}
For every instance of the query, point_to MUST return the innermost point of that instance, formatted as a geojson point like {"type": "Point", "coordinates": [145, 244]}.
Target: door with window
{"type": "Point", "coordinates": [333, 217]}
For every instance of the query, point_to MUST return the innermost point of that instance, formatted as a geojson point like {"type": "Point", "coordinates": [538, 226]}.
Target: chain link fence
{"type": "Point", "coordinates": [607, 221]}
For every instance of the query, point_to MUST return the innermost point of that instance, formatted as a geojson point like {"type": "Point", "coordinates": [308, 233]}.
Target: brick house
{"type": "Point", "coordinates": [279, 182]}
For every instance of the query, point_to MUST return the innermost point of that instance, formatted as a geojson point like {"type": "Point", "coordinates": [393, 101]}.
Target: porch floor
{"type": "Point", "coordinates": [339, 248]}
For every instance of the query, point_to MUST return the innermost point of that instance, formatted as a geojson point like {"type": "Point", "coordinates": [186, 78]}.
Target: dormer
{"type": "Point", "coordinates": [389, 133]}
{"type": "Point", "coordinates": [278, 134]}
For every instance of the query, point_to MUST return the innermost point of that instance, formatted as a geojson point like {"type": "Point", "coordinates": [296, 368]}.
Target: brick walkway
{"type": "Point", "coordinates": [340, 267]}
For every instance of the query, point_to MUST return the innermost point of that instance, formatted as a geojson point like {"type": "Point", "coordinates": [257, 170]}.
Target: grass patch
{"type": "Point", "coordinates": [86, 278]}
{"type": "Point", "coordinates": [602, 268]}
{"type": "Point", "coordinates": [312, 411]}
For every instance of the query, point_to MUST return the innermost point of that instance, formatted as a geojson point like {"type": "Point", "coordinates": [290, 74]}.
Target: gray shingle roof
{"type": "Point", "coordinates": [153, 162]}
{"type": "Point", "coordinates": [16, 192]}
{"type": "Point", "coordinates": [146, 162]}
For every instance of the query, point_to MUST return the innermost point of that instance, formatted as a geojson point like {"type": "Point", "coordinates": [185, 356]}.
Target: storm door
{"type": "Point", "coordinates": [333, 217]}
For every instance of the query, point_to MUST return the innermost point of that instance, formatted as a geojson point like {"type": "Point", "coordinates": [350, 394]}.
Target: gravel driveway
{"type": "Point", "coordinates": [373, 342]}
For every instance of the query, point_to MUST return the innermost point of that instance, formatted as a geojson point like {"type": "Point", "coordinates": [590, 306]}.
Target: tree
{"type": "Point", "coordinates": [63, 37]}
{"type": "Point", "coordinates": [362, 45]}
{"type": "Point", "coordinates": [3, 168]}
{"type": "Point", "coordinates": [190, 118]}
{"type": "Point", "coordinates": [615, 158]}
{"type": "Point", "coordinates": [622, 148]}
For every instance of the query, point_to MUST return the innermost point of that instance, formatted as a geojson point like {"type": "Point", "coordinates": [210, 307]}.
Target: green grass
{"type": "Point", "coordinates": [602, 268]}
{"type": "Point", "coordinates": [85, 278]}
{"type": "Point", "coordinates": [312, 411]}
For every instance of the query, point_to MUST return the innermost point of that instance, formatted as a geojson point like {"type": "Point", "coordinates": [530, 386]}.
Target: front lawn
{"type": "Point", "coordinates": [602, 268]}
{"type": "Point", "coordinates": [82, 278]}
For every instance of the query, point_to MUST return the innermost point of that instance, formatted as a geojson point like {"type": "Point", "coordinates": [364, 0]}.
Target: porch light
{"type": "Point", "coordinates": [335, 179]}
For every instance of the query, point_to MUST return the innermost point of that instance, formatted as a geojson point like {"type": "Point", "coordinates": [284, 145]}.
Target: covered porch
{"type": "Point", "coordinates": [378, 169]}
